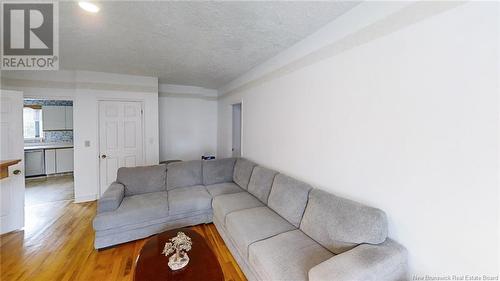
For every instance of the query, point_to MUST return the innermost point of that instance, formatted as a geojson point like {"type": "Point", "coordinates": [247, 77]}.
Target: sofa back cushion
{"type": "Point", "coordinates": [180, 174]}
{"type": "Point", "coordinates": [242, 172]}
{"type": "Point", "coordinates": [340, 224]}
{"type": "Point", "coordinates": [218, 171]}
{"type": "Point", "coordinates": [260, 183]}
{"type": "Point", "coordinates": [288, 198]}
{"type": "Point", "coordinates": [142, 179]}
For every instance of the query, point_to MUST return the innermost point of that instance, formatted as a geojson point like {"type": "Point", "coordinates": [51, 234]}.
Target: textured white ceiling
{"type": "Point", "coordinates": [204, 44]}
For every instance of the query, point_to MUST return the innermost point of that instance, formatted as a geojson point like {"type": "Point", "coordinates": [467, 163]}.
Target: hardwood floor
{"type": "Point", "coordinates": [57, 244]}
{"type": "Point", "coordinates": [49, 189]}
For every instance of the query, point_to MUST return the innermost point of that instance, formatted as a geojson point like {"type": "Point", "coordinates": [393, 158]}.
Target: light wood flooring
{"type": "Point", "coordinates": [49, 189]}
{"type": "Point", "coordinates": [57, 244]}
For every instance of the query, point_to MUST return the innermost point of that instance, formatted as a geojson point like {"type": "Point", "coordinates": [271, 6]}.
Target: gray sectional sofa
{"type": "Point", "coordinates": [276, 227]}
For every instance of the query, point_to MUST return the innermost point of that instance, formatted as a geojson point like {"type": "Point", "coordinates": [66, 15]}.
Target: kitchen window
{"type": "Point", "coordinates": [32, 119]}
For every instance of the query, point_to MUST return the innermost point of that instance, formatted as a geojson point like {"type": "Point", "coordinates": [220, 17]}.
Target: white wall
{"type": "Point", "coordinates": [188, 122]}
{"type": "Point", "coordinates": [86, 89]}
{"type": "Point", "coordinates": [394, 105]}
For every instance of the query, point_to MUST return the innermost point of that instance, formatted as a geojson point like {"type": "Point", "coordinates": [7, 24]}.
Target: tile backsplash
{"type": "Point", "coordinates": [48, 102]}
{"type": "Point", "coordinates": [58, 136]}
{"type": "Point", "coordinates": [53, 137]}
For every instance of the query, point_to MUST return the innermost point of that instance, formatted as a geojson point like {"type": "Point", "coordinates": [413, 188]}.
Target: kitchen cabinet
{"type": "Point", "coordinates": [50, 161]}
{"type": "Point", "coordinates": [57, 118]}
{"type": "Point", "coordinates": [34, 162]}
{"type": "Point", "coordinates": [64, 160]}
{"type": "Point", "coordinates": [69, 117]}
{"type": "Point", "coordinates": [54, 118]}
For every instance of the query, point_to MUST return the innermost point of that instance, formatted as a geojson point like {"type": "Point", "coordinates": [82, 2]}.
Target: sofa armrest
{"type": "Point", "coordinates": [386, 261]}
{"type": "Point", "coordinates": [112, 198]}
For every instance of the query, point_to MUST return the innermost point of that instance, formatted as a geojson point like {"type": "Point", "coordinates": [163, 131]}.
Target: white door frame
{"type": "Point", "coordinates": [15, 183]}
{"type": "Point", "coordinates": [241, 127]}
{"type": "Point", "coordinates": [99, 135]}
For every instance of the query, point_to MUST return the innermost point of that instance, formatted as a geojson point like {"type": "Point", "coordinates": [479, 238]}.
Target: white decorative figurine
{"type": "Point", "coordinates": [180, 244]}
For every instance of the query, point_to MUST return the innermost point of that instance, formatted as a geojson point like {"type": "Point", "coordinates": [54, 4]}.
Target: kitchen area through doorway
{"type": "Point", "coordinates": [48, 151]}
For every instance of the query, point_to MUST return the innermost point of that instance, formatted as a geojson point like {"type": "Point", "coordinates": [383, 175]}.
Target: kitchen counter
{"type": "Point", "coordinates": [47, 146]}
{"type": "Point", "coordinates": [48, 158]}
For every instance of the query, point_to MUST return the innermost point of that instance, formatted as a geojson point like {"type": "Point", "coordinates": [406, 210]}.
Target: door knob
{"type": "Point", "coordinates": [17, 172]}
{"type": "Point", "coordinates": [103, 156]}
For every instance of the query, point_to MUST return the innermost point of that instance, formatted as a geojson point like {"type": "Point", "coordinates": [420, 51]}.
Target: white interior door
{"type": "Point", "coordinates": [236, 130]}
{"type": "Point", "coordinates": [12, 147]}
{"type": "Point", "coordinates": [121, 138]}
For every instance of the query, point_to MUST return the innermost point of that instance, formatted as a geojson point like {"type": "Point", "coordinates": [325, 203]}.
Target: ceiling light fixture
{"type": "Point", "coordinates": [89, 7]}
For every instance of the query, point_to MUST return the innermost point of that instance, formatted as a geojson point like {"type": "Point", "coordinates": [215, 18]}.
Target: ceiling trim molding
{"type": "Point", "coordinates": [12, 82]}
{"type": "Point", "coordinates": [116, 87]}
{"type": "Point", "coordinates": [29, 83]}
{"type": "Point", "coordinates": [186, 96]}
{"type": "Point", "coordinates": [403, 17]}
{"type": "Point", "coordinates": [186, 92]}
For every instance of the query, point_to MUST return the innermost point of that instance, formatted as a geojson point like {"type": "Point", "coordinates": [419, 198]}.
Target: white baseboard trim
{"type": "Point", "coordinates": [85, 198]}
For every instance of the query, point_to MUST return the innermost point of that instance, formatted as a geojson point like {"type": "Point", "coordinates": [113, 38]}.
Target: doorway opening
{"type": "Point", "coordinates": [48, 151]}
{"type": "Point", "coordinates": [236, 146]}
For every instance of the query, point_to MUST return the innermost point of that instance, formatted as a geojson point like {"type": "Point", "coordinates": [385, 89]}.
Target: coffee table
{"type": "Point", "coordinates": [152, 265]}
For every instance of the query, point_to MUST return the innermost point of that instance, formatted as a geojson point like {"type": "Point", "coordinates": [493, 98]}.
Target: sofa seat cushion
{"type": "Point", "coordinates": [227, 203]}
{"type": "Point", "coordinates": [286, 256]}
{"type": "Point", "coordinates": [250, 225]}
{"type": "Point", "coordinates": [134, 209]}
{"type": "Point", "coordinates": [223, 188]}
{"type": "Point", "coordinates": [188, 199]}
